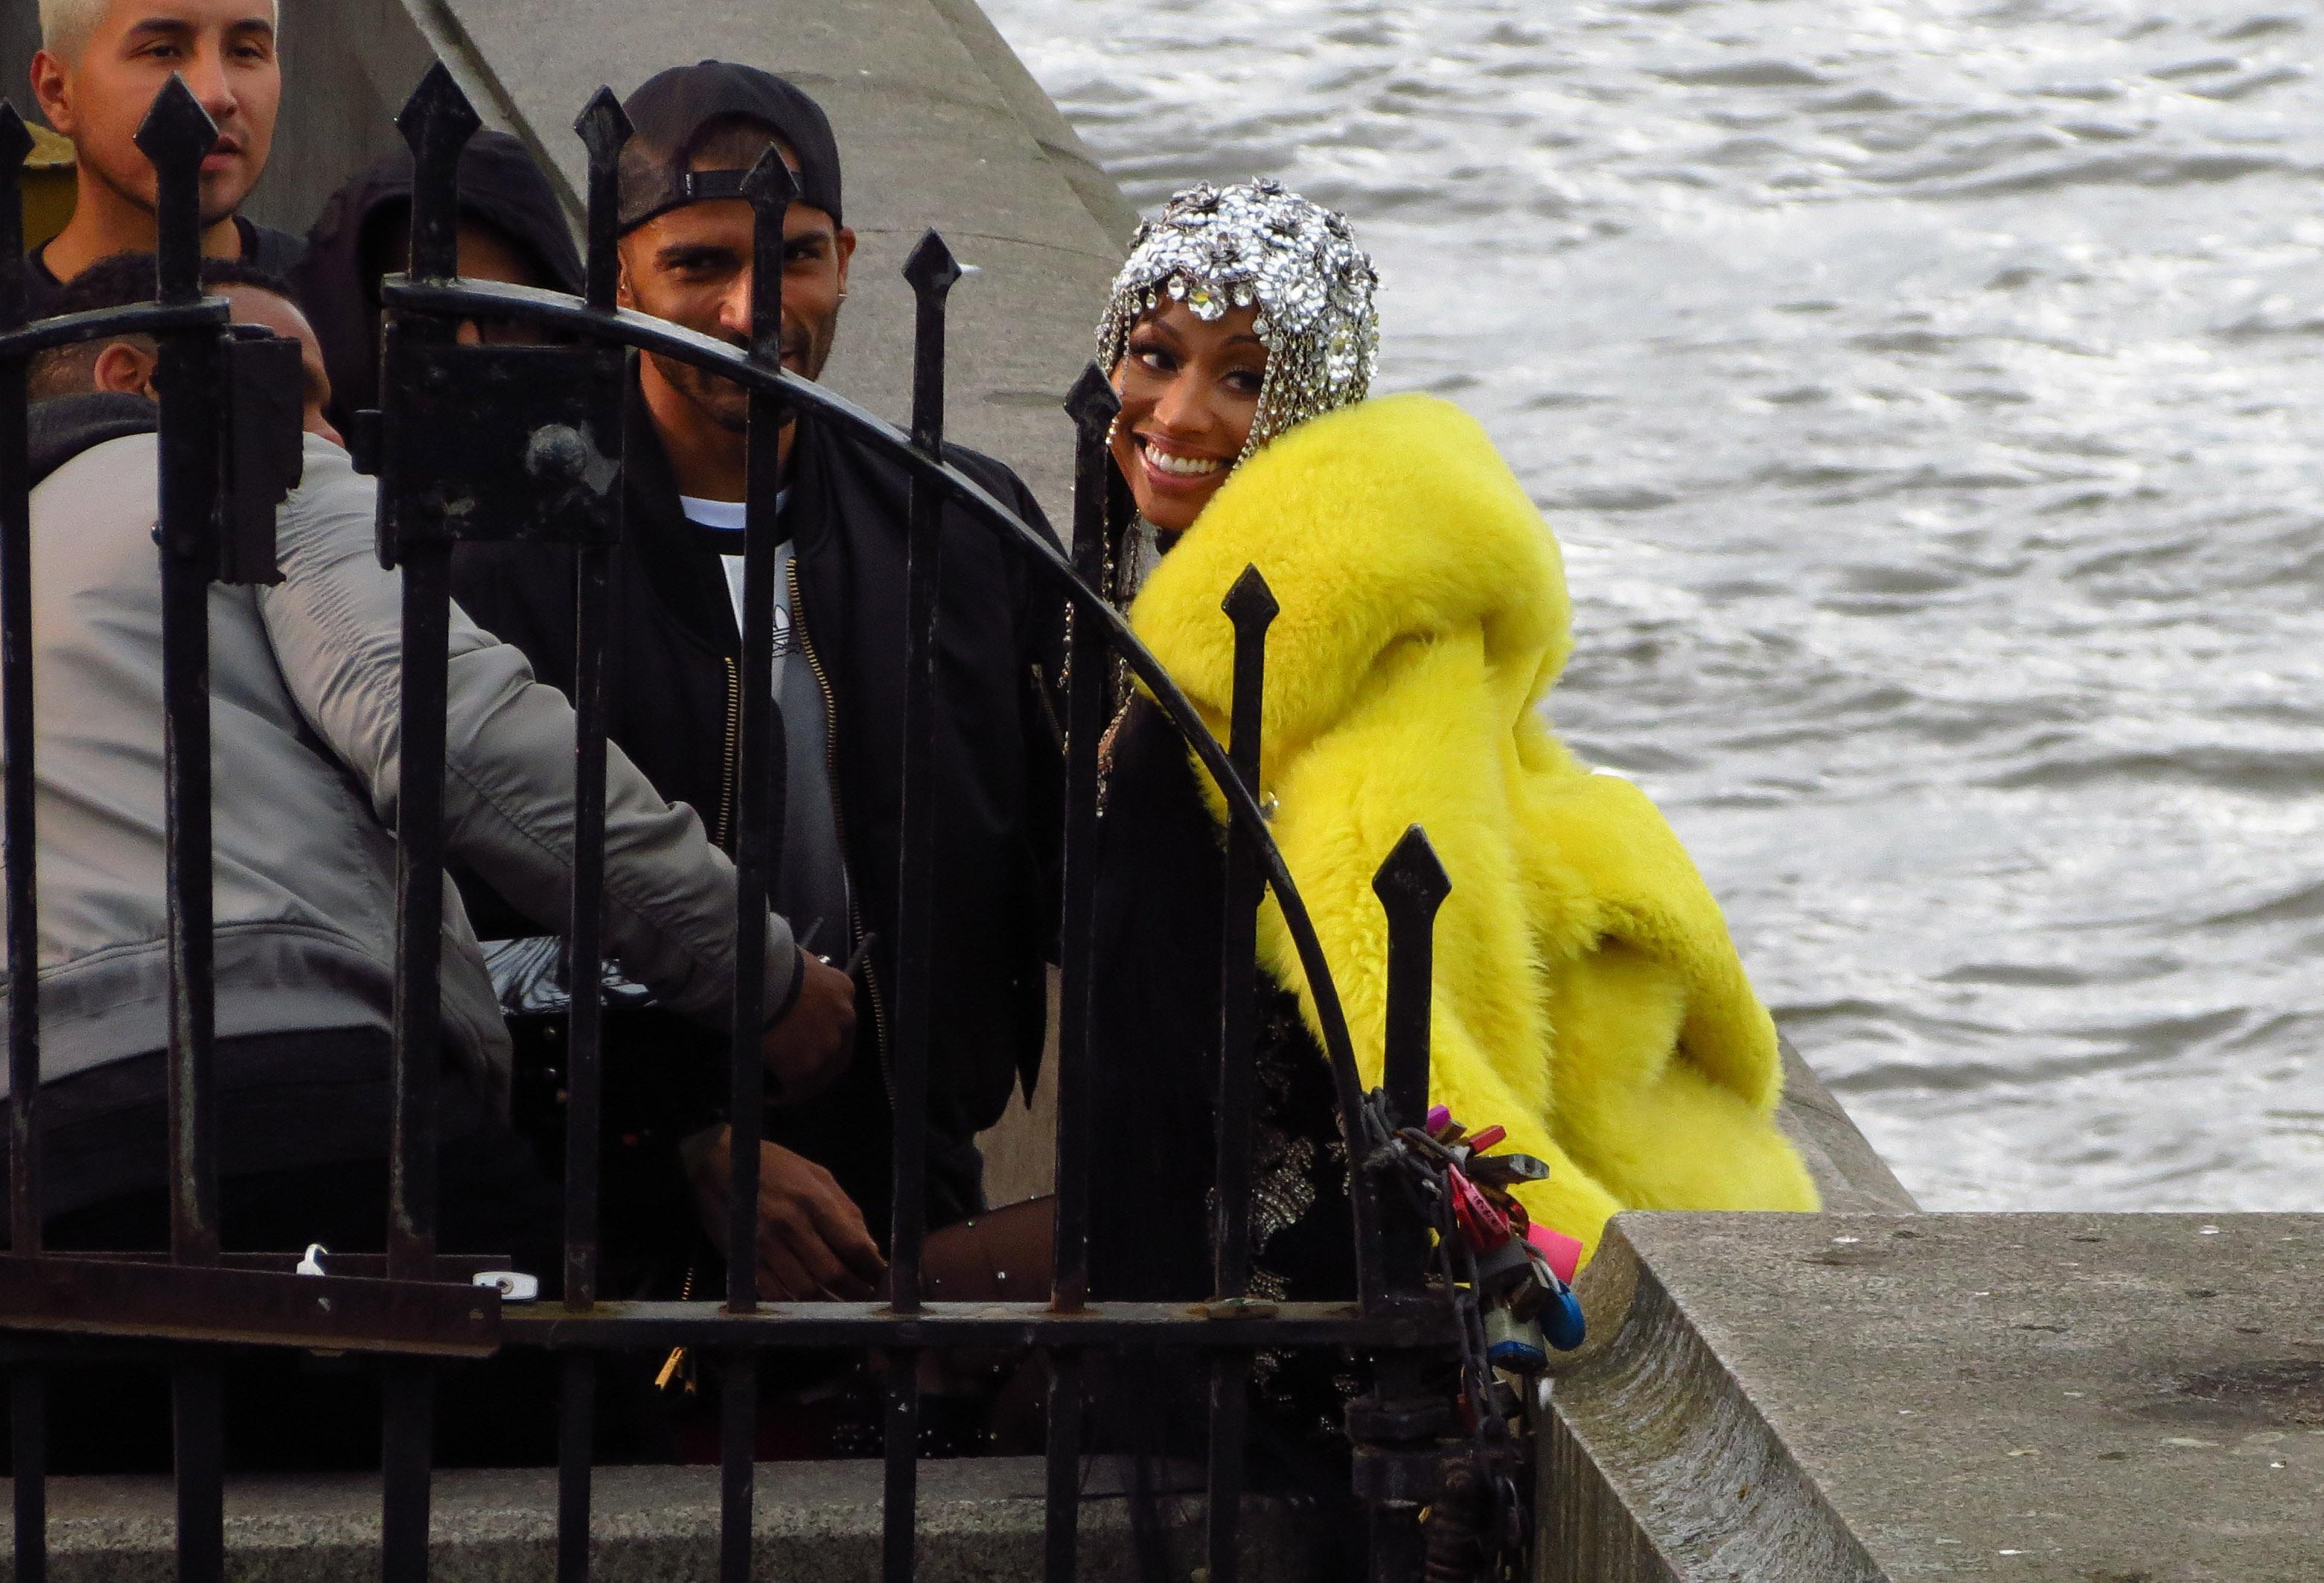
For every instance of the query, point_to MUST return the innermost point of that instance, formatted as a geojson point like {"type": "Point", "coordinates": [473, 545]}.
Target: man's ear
{"type": "Point", "coordinates": [623, 297]}
{"type": "Point", "coordinates": [126, 368]}
{"type": "Point", "coordinates": [52, 90]}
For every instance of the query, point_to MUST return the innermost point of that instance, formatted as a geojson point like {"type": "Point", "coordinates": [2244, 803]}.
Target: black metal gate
{"type": "Point", "coordinates": [530, 450]}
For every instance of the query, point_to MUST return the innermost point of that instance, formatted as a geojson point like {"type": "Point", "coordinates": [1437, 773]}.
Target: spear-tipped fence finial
{"type": "Point", "coordinates": [437, 122]}
{"type": "Point", "coordinates": [931, 268]}
{"type": "Point", "coordinates": [932, 272]}
{"type": "Point", "coordinates": [604, 129]}
{"type": "Point", "coordinates": [770, 189]}
{"type": "Point", "coordinates": [177, 135]}
{"type": "Point", "coordinates": [1412, 884]}
{"type": "Point", "coordinates": [1250, 601]}
{"type": "Point", "coordinates": [1092, 404]}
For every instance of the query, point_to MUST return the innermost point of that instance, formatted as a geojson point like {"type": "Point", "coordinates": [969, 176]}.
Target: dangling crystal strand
{"type": "Point", "coordinates": [1255, 245]}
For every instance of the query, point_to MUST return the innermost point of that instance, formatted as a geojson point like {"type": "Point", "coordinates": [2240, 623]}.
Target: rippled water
{"type": "Point", "coordinates": [1928, 399]}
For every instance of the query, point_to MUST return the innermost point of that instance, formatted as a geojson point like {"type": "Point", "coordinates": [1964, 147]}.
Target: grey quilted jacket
{"type": "Point", "coordinates": [304, 718]}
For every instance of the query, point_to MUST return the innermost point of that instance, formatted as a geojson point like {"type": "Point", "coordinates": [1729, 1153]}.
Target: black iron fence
{"type": "Point", "coordinates": [530, 450]}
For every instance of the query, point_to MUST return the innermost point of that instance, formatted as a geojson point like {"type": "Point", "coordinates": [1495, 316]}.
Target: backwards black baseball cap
{"type": "Point", "coordinates": [671, 112]}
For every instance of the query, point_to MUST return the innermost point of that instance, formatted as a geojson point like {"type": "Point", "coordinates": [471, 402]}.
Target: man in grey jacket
{"type": "Point", "coordinates": [304, 714]}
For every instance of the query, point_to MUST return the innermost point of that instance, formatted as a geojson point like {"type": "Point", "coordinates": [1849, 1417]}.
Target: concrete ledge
{"type": "Point", "coordinates": [817, 1523]}
{"type": "Point", "coordinates": [1840, 1399]}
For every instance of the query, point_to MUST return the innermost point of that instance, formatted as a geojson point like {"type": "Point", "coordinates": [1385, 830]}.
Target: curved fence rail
{"type": "Point", "coordinates": [532, 451]}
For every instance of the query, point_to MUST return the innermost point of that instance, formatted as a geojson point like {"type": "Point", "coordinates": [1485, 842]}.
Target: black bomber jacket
{"type": "Point", "coordinates": [673, 697]}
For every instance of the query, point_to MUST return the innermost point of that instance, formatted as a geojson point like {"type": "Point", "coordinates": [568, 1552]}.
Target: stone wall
{"type": "Point", "coordinates": [1860, 1398]}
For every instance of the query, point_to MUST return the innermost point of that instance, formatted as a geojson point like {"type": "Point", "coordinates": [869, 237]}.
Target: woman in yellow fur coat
{"type": "Point", "coordinates": [1587, 998]}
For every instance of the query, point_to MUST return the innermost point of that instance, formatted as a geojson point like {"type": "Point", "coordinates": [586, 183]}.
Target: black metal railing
{"type": "Point", "coordinates": [530, 449]}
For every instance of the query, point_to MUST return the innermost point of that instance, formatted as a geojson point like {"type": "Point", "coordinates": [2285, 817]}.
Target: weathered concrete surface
{"type": "Point", "coordinates": [816, 1522]}
{"type": "Point", "coordinates": [2044, 1398]}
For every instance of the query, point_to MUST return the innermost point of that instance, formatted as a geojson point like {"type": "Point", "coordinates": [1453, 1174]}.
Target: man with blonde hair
{"type": "Point", "coordinates": [100, 64]}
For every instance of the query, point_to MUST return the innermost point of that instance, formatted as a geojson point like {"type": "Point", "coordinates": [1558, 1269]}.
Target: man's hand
{"type": "Point", "coordinates": [810, 1047]}
{"type": "Point", "coordinates": [813, 1243]}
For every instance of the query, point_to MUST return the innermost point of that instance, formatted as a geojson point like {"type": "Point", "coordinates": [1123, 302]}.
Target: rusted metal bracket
{"type": "Point", "coordinates": [64, 1295]}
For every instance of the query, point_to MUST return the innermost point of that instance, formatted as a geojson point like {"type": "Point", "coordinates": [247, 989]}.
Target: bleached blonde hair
{"type": "Point", "coordinates": [66, 25]}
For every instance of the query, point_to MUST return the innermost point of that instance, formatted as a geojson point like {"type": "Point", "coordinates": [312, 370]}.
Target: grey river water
{"type": "Point", "coordinates": [1927, 398]}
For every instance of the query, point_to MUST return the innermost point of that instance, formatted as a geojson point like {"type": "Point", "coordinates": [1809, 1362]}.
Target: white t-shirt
{"type": "Point", "coordinates": [728, 516]}
{"type": "Point", "coordinates": [812, 884]}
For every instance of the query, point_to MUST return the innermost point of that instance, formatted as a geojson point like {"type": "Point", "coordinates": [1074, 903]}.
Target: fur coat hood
{"type": "Point", "coordinates": [1588, 996]}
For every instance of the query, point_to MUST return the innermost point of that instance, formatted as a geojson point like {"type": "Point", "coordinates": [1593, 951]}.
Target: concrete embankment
{"type": "Point", "coordinates": [1857, 1399]}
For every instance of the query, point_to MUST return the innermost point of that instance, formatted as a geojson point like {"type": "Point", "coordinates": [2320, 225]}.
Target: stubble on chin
{"type": "Point", "coordinates": [728, 404]}
{"type": "Point", "coordinates": [722, 400]}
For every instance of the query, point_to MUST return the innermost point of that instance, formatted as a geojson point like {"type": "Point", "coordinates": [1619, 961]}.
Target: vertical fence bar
{"type": "Point", "coordinates": [1412, 887]}
{"type": "Point", "coordinates": [28, 1435]}
{"type": "Point", "coordinates": [176, 136]}
{"type": "Point", "coordinates": [761, 795]}
{"type": "Point", "coordinates": [604, 128]}
{"type": "Point", "coordinates": [1061, 1529]}
{"type": "Point", "coordinates": [1092, 406]}
{"type": "Point", "coordinates": [932, 272]}
{"type": "Point", "coordinates": [437, 122]}
{"type": "Point", "coordinates": [1252, 606]}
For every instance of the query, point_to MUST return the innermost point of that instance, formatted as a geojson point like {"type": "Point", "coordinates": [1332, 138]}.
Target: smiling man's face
{"type": "Point", "coordinates": [225, 50]}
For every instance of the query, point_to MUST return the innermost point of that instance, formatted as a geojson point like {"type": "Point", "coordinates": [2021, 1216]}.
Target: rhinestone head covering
{"type": "Point", "coordinates": [1255, 243]}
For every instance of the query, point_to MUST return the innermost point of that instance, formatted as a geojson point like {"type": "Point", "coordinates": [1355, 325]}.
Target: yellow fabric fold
{"type": "Point", "coordinates": [1588, 996]}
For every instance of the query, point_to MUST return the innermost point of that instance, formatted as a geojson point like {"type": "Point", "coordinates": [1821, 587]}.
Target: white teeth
{"type": "Point", "coordinates": [1182, 466]}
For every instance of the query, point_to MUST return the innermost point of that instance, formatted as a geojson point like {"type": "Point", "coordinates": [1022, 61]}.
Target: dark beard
{"type": "Point", "coordinates": [728, 404]}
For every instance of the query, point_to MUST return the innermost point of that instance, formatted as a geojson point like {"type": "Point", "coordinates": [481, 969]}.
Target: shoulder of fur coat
{"type": "Point", "coordinates": [1589, 998]}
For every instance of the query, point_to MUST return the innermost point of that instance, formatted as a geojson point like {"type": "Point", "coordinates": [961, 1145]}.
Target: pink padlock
{"type": "Point", "coordinates": [1485, 1227]}
{"type": "Point", "coordinates": [1563, 1253]}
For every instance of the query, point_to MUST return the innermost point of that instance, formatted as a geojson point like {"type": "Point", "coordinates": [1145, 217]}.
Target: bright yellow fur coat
{"type": "Point", "coordinates": [1588, 997]}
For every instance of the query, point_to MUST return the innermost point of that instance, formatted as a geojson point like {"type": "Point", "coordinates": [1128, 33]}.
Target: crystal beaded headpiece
{"type": "Point", "coordinates": [1256, 243]}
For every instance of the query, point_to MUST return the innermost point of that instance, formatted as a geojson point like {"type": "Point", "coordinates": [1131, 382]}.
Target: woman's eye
{"type": "Point", "coordinates": [1157, 359]}
{"type": "Point", "coordinates": [1245, 382]}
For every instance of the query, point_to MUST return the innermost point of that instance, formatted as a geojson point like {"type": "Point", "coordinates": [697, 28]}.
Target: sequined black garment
{"type": "Point", "coordinates": [1160, 895]}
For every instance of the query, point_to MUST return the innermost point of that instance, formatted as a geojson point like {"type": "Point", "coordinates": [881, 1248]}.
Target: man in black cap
{"type": "Point", "coordinates": [674, 670]}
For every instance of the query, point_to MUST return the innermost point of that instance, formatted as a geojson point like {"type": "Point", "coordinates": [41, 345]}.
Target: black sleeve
{"type": "Point", "coordinates": [1041, 657]}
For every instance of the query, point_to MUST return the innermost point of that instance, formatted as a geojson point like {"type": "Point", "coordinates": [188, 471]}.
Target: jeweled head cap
{"type": "Point", "coordinates": [1257, 245]}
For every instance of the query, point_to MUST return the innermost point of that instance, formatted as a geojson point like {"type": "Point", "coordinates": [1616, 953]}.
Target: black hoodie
{"type": "Point", "coordinates": [338, 280]}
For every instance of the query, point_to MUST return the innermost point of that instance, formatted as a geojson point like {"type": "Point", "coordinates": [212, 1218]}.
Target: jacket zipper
{"type": "Point", "coordinates": [734, 741]}
{"type": "Point", "coordinates": [839, 820]}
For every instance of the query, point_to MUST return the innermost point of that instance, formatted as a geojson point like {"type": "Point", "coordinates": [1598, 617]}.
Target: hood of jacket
{"type": "Point", "coordinates": [1587, 994]}
{"type": "Point", "coordinates": [338, 280]}
{"type": "Point", "coordinates": [61, 429]}
{"type": "Point", "coordinates": [1377, 527]}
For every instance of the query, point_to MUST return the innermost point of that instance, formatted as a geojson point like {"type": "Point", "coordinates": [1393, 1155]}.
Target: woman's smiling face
{"type": "Point", "coordinates": [1189, 392]}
